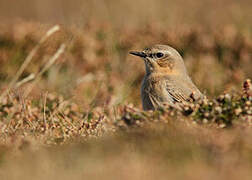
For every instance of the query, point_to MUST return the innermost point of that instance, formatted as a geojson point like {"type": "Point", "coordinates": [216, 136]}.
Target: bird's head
{"type": "Point", "coordinates": [161, 59]}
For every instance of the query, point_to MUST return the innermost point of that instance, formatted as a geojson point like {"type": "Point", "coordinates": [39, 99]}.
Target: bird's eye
{"type": "Point", "coordinates": [159, 55]}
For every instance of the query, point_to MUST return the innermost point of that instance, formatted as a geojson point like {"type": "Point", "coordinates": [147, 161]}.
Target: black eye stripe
{"type": "Point", "coordinates": [159, 55]}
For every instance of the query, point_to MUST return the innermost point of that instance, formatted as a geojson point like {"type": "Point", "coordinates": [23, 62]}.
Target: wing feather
{"type": "Point", "coordinates": [180, 92]}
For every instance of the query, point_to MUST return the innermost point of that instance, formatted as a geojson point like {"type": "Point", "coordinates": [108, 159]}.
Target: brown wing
{"type": "Point", "coordinates": [180, 90]}
{"type": "Point", "coordinates": [154, 95]}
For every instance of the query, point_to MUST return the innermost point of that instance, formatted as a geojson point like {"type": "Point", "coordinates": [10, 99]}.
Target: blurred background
{"type": "Point", "coordinates": [127, 13]}
{"type": "Point", "coordinates": [86, 96]}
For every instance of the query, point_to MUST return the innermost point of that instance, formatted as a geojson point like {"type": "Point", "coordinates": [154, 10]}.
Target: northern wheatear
{"type": "Point", "coordinates": [166, 81]}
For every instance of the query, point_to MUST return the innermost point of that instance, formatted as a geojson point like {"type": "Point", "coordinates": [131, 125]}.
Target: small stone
{"type": "Point", "coordinates": [221, 97]}
{"type": "Point", "coordinates": [194, 122]}
{"type": "Point", "coordinates": [227, 96]}
{"type": "Point", "coordinates": [205, 121]}
{"type": "Point", "coordinates": [218, 109]}
{"type": "Point", "coordinates": [206, 114]}
{"type": "Point", "coordinates": [238, 111]}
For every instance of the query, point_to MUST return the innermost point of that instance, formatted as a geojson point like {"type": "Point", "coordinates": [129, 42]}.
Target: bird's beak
{"type": "Point", "coordinates": [140, 54]}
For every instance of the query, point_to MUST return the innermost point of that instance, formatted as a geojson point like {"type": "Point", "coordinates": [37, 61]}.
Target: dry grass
{"type": "Point", "coordinates": [82, 117]}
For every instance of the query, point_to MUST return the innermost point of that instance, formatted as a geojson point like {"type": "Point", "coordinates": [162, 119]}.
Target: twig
{"type": "Point", "coordinates": [29, 58]}
{"type": "Point", "coordinates": [44, 112]}
{"type": "Point", "coordinates": [50, 62]}
{"type": "Point", "coordinates": [25, 80]}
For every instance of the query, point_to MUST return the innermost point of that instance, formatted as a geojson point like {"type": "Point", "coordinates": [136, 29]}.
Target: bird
{"type": "Point", "coordinates": [166, 81]}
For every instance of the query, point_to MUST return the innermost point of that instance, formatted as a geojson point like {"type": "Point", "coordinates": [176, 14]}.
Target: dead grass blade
{"type": "Point", "coordinates": [29, 58]}
{"type": "Point", "coordinates": [50, 62]}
